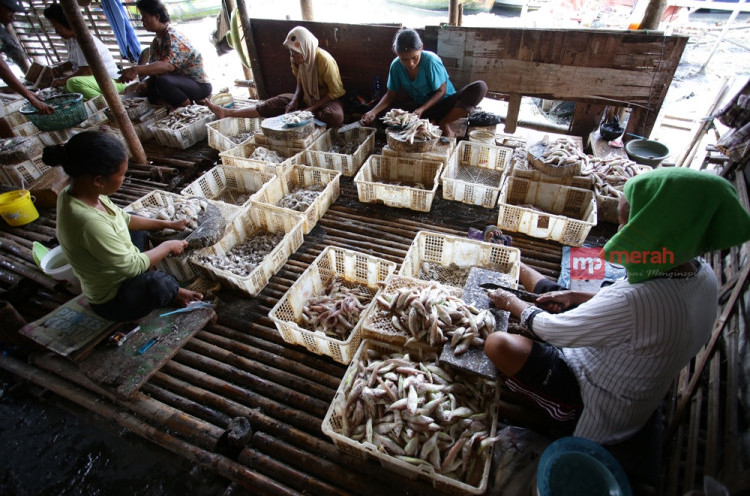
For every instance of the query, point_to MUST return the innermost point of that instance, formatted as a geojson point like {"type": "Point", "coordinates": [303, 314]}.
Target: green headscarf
{"type": "Point", "coordinates": [676, 214]}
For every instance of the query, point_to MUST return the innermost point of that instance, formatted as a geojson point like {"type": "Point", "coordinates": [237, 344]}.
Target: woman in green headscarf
{"type": "Point", "coordinates": [602, 366]}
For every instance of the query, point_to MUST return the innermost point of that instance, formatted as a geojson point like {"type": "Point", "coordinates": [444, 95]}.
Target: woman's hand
{"type": "Point", "coordinates": [419, 111]}
{"type": "Point", "coordinates": [369, 117]}
{"type": "Point", "coordinates": [177, 225]}
{"type": "Point", "coordinates": [557, 301]}
{"type": "Point", "coordinates": [129, 74]}
{"type": "Point", "coordinates": [41, 107]}
{"type": "Point", "coordinates": [502, 299]}
{"type": "Point", "coordinates": [175, 246]}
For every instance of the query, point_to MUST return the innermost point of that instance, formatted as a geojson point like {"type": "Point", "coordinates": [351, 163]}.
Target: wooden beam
{"type": "Point", "coordinates": [514, 107]}
{"type": "Point", "coordinates": [307, 10]}
{"type": "Point", "coordinates": [252, 50]}
{"type": "Point", "coordinates": [86, 42]}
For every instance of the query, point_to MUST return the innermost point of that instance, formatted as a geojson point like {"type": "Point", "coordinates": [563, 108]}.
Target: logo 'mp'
{"type": "Point", "coordinates": [586, 264]}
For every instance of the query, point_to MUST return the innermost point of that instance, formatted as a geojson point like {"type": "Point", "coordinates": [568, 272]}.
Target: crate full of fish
{"type": "Point", "coordinates": [547, 210]}
{"type": "Point", "coordinates": [344, 152]}
{"type": "Point", "coordinates": [441, 152]}
{"type": "Point", "coordinates": [416, 417]}
{"type": "Point", "coordinates": [475, 173]}
{"type": "Point", "coordinates": [398, 182]}
{"type": "Point", "coordinates": [184, 127]}
{"type": "Point", "coordinates": [419, 314]}
{"type": "Point", "coordinates": [257, 244]}
{"type": "Point", "coordinates": [323, 308]}
{"type": "Point", "coordinates": [253, 156]}
{"type": "Point", "coordinates": [309, 191]}
{"type": "Point", "coordinates": [448, 259]}
{"type": "Point", "coordinates": [230, 132]}
{"type": "Point", "coordinates": [231, 185]}
{"type": "Point", "coordinates": [300, 143]}
{"type": "Point", "coordinates": [609, 175]}
{"type": "Point", "coordinates": [169, 206]}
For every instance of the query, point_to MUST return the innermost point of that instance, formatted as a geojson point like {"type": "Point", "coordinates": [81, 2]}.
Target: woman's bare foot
{"type": "Point", "coordinates": [219, 112]}
{"type": "Point", "coordinates": [185, 296]}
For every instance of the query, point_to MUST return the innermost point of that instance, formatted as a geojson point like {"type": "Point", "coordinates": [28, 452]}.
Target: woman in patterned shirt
{"type": "Point", "coordinates": [174, 72]}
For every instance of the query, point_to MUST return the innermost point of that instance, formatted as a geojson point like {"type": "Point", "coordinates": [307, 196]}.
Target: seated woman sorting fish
{"type": "Point", "coordinates": [174, 72]}
{"type": "Point", "coordinates": [319, 87]}
{"type": "Point", "coordinates": [95, 234]}
{"type": "Point", "coordinates": [422, 75]}
{"type": "Point", "coordinates": [601, 367]}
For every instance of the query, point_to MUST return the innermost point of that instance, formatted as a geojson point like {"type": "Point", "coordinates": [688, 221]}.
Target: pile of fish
{"type": "Point", "coordinates": [296, 117]}
{"type": "Point", "coordinates": [610, 174]}
{"type": "Point", "coordinates": [562, 157]}
{"type": "Point", "coordinates": [419, 130]}
{"type": "Point", "coordinates": [265, 155]}
{"type": "Point", "coordinates": [336, 310]}
{"type": "Point", "coordinates": [301, 199]}
{"type": "Point", "coordinates": [344, 147]}
{"type": "Point", "coordinates": [245, 257]}
{"type": "Point", "coordinates": [175, 209]}
{"type": "Point", "coordinates": [242, 137]}
{"type": "Point", "coordinates": [399, 118]}
{"type": "Point", "coordinates": [433, 315]}
{"type": "Point", "coordinates": [183, 116]}
{"type": "Point", "coordinates": [419, 413]}
{"type": "Point", "coordinates": [452, 275]}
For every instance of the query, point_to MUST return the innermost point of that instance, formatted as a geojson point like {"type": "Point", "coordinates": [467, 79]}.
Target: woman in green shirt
{"type": "Point", "coordinates": [95, 234]}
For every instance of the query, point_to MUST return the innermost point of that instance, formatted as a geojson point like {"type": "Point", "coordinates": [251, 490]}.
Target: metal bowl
{"type": "Point", "coordinates": [647, 152]}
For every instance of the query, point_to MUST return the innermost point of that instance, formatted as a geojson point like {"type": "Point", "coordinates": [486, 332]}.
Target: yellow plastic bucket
{"type": "Point", "coordinates": [16, 207]}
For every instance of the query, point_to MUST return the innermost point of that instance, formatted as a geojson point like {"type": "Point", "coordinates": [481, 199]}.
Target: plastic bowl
{"type": "Point", "coordinates": [573, 466]}
{"type": "Point", "coordinates": [647, 152]}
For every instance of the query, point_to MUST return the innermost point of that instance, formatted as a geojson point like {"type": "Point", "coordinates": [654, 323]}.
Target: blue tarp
{"type": "Point", "coordinates": [130, 47]}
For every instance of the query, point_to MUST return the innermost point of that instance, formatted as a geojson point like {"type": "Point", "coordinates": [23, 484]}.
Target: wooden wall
{"type": "Point", "coordinates": [591, 67]}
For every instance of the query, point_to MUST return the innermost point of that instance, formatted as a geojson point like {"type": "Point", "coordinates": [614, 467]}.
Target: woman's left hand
{"type": "Point", "coordinates": [502, 299]}
{"type": "Point", "coordinates": [418, 112]}
{"type": "Point", "coordinates": [177, 225]}
{"type": "Point", "coordinates": [129, 74]}
{"type": "Point", "coordinates": [292, 106]}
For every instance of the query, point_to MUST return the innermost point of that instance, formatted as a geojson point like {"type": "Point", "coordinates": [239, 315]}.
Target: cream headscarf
{"type": "Point", "coordinates": [304, 42]}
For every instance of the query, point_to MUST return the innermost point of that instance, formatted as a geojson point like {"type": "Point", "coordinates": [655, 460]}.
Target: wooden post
{"type": "Point", "coordinates": [247, 30]}
{"type": "Point", "coordinates": [652, 16]}
{"type": "Point", "coordinates": [77, 24]}
{"type": "Point", "coordinates": [453, 13]}
{"type": "Point", "coordinates": [514, 106]}
{"type": "Point", "coordinates": [307, 10]}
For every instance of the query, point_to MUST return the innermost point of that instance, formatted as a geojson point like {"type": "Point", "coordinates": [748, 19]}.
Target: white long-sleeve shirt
{"type": "Point", "coordinates": [76, 57]}
{"type": "Point", "coordinates": [627, 344]}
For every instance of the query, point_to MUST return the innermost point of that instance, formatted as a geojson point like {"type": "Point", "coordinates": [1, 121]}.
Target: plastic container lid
{"type": "Point", "coordinates": [574, 466]}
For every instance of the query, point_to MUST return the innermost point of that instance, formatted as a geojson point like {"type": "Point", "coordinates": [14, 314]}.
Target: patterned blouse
{"type": "Point", "coordinates": [173, 47]}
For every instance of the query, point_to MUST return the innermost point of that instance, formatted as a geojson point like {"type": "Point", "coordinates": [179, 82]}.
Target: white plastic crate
{"type": "Point", "coordinates": [58, 137]}
{"type": "Point", "coordinates": [224, 184]}
{"type": "Point", "coordinates": [24, 173]}
{"type": "Point", "coordinates": [183, 138]}
{"type": "Point", "coordinates": [564, 214]}
{"type": "Point", "coordinates": [318, 155]}
{"type": "Point", "coordinates": [354, 268]}
{"type": "Point", "coordinates": [239, 156]}
{"type": "Point", "coordinates": [250, 221]}
{"type": "Point", "coordinates": [178, 266]}
{"type": "Point", "coordinates": [491, 163]}
{"type": "Point", "coordinates": [26, 129]}
{"type": "Point", "coordinates": [333, 425]}
{"type": "Point", "coordinates": [12, 104]}
{"type": "Point", "coordinates": [445, 250]}
{"type": "Point", "coordinates": [373, 179]}
{"type": "Point", "coordinates": [531, 174]}
{"type": "Point", "coordinates": [300, 177]}
{"type": "Point", "coordinates": [96, 104]}
{"type": "Point", "coordinates": [300, 143]}
{"type": "Point", "coordinates": [16, 119]}
{"type": "Point", "coordinates": [442, 152]}
{"type": "Point", "coordinates": [221, 132]}
{"type": "Point", "coordinates": [94, 119]}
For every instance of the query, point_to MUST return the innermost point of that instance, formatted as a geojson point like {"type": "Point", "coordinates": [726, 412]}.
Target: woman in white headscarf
{"type": "Point", "coordinates": [319, 87]}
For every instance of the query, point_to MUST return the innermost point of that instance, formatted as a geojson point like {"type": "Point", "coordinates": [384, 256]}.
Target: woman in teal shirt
{"type": "Point", "coordinates": [423, 77]}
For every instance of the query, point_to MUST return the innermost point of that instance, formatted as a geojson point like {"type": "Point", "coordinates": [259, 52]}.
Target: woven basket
{"type": "Point", "coordinates": [69, 111]}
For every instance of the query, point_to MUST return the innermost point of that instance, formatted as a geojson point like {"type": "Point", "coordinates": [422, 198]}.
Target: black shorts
{"type": "Point", "coordinates": [547, 381]}
{"type": "Point", "coordinates": [547, 286]}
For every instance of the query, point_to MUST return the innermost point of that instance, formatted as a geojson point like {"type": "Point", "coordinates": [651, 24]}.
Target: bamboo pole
{"type": "Point", "coordinates": [453, 12]}
{"type": "Point", "coordinates": [17, 267]}
{"type": "Point", "coordinates": [652, 15]}
{"type": "Point", "coordinates": [218, 463]}
{"type": "Point", "coordinates": [86, 42]}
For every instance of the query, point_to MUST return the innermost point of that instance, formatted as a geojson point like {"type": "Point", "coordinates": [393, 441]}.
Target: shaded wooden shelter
{"type": "Point", "coordinates": [239, 366]}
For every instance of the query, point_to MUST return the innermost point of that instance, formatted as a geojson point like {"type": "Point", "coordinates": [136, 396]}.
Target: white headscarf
{"type": "Point", "coordinates": [304, 42]}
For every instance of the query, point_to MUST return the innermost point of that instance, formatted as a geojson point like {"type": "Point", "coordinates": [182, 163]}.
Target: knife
{"type": "Point", "coordinates": [353, 125]}
{"type": "Point", "coordinates": [524, 295]}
